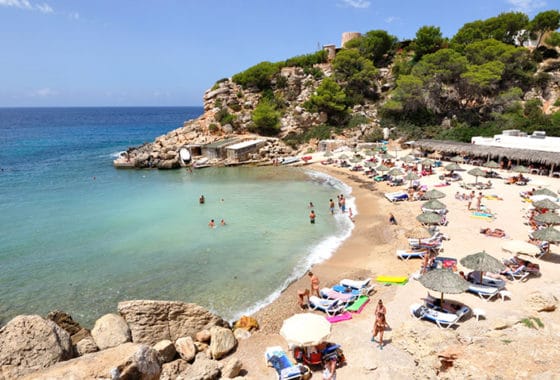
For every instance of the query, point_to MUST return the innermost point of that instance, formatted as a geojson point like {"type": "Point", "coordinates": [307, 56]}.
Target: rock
{"type": "Point", "coordinates": [110, 330]}
{"type": "Point", "coordinates": [222, 342]}
{"type": "Point", "coordinates": [501, 324]}
{"type": "Point", "coordinates": [538, 301]}
{"type": "Point", "coordinates": [200, 346]}
{"type": "Point", "coordinates": [228, 128]}
{"type": "Point", "coordinates": [86, 346]}
{"type": "Point", "coordinates": [202, 369]}
{"type": "Point", "coordinates": [152, 321]}
{"type": "Point", "coordinates": [166, 351]}
{"type": "Point", "coordinates": [248, 323]}
{"type": "Point", "coordinates": [29, 343]}
{"type": "Point", "coordinates": [168, 164]}
{"type": "Point", "coordinates": [232, 368]}
{"type": "Point", "coordinates": [203, 336]}
{"type": "Point", "coordinates": [186, 348]}
{"type": "Point", "coordinates": [171, 370]}
{"type": "Point", "coordinates": [82, 334]}
{"type": "Point", "coordinates": [241, 334]}
{"type": "Point", "coordinates": [65, 321]}
{"type": "Point", "coordinates": [212, 94]}
{"type": "Point", "coordinates": [143, 365]}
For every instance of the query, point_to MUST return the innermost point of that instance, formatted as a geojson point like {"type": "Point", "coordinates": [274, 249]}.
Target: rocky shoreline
{"type": "Point", "coordinates": [145, 340]}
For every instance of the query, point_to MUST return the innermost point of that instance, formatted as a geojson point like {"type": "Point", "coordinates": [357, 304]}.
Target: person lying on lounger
{"type": "Point", "coordinates": [496, 232]}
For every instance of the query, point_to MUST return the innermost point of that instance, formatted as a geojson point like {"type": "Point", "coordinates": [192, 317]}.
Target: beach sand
{"type": "Point", "coordinates": [495, 346]}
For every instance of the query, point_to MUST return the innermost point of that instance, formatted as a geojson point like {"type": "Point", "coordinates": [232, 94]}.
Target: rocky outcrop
{"type": "Point", "coordinates": [222, 342]}
{"type": "Point", "coordinates": [109, 331]}
{"type": "Point", "coordinates": [152, 321]}
{"type": "Point", "coordinates": [186, 348]}
{"type": "Point", "coordinates": [65, 321]}
{"type": "Point", "coordinates": [202, 369]}
{"type": "Point", "coordinates": [29, 343]}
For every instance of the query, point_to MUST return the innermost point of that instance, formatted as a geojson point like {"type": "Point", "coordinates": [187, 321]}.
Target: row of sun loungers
{"type": "Point", "coordinates": [277, 358]}
{"type": "Point", "coordinates": [335, 300]}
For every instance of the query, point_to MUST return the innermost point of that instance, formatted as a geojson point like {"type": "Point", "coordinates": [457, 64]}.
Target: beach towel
{"type": "Point", "coordinates": [358, 305]}
{"type": "Point", "coordinates": [481, 215]}
{"type": "Point", "coordinates": [399, 280]}
{"type": "Point", "coordinates": [340, 317]}
{"type": "Point", "coordinates": [493, 197]}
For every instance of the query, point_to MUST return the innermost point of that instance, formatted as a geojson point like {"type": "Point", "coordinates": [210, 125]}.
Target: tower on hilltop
{"type": "Point", "coordinates": [348, 36]}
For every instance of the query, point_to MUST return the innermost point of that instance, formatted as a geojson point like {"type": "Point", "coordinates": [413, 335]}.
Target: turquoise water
{"type": "Point", "coordinates": [80, 236]}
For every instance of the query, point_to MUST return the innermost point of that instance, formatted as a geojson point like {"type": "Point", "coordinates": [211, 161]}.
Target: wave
{"type": "Point", "coordinates": [319, 252]}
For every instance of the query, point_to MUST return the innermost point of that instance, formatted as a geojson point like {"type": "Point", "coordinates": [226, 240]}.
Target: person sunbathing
{"type": "Point", "coordinates": [495, 233]}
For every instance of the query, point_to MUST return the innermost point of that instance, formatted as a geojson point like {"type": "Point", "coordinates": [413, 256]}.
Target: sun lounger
{"type": "Point", "coordinates": [363, 286]}
{"type": "Point", "coordinates": [330, 307]}
{"type": "Point", "coordinates": [405, 255]}
{"type": "Point", "coordinates": [440, 212]}
{"type": "Point", "coordinates": [483, 291]}
{"type": "Point", "coordinates": [345, 289]}
{"type": "Point", "coordinates": [443, 320]}
{"type": "Point", "coordinates": [396, 196]}
{"type": "Point", "coordinates": [285, 368]}
{"type": "Point", "coordinates": [345, 298]}
{"type": "Point", "coordinates": [519, 274]}
{"type": "Point", "coordinates": [492, 281]}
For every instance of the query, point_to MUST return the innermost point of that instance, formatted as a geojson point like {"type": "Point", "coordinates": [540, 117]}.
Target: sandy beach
{"type": "Point", "coordinates": [497, 345]}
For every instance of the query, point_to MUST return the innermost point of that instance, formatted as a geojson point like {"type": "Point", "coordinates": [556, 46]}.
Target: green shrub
{"type": "Point", "coordinates": [307, 60]}
{"type": "Point", "coordinates": [235, 106]}
{"type": "Point", "coordinates": [224, 117]}
{"type": "Point", "coordinates": [557, 103]}
{"type": "Point", "coordinates": [259, 76]}
{"type": "Point", "coordinates": [217, 84]}
{"type": "Point", "coordinates": [357, 119]}
{"type": "Point", "coordinates": [213, 128]}
{"type": "Point", "coordinates": [266, 118]}
{"type": "Point", "coordinates": [316, 72]}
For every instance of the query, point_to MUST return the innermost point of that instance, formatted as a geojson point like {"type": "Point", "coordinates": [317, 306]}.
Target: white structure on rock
{"type": "Point", "coordinates": [513, 138]}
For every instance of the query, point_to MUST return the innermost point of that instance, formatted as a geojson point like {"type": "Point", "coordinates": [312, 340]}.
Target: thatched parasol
{"type": "Point", "coordinates": [545, 203]}
{"type": "Point", "coordinates": [355, 160]}
{"type": "Point", "coordinates": [427, 162]}
{"type": "Point", "coordinates": [429, 218]}
{"type": "Point", "coordinates": [547, 192]}
{"type": "Point", "coordinates": [386, 156]}
{"type": "Point", "coordinates": [369, 152]}
{"type": "Point", "coordinates": [433, 194]}
{"type": "Point", "coordinates": [444, 281]}
{"type": "Point", "coordinates": [491, 165]}
{"type": "Point", "coordinates": [476, 172]}
{"type": "Point", "coordinates": [418, 233]}
{"type": "Point", "coordinates": [411, 176]}
{"type": "Point", "coordinates": [328, 154]}
{"type": "Point", "coordinates": [520, 246]}
{"type": "Point", "coordinates": [343, 156]}
{"type": "Point", "coordinates": [395, 172]}
{"type": "Point", "coordinates": [550, 218]}
{"type": "Point", "coordinates": [456, 159]}
{"type": "Point", "coordinates": [520, 169]}
{"type": "Point", "coordinates": [369, 164]}
{"type": "Point", "coordinates": [434, 204]}
{"type": "Point", "coordinates": [453, 167]}
{"type": "Point", "coordinates": [408, 159]}
{"type": "Point", "coordinates": [382, 168]}
{"type": "Point", "coordinates": [482, 262]}
{"type": "Point", "coordinates": [548, 234]}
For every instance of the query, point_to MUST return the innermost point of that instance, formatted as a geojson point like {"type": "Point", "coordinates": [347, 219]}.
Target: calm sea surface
{"type": "Point", "coordinates": [80, 236]}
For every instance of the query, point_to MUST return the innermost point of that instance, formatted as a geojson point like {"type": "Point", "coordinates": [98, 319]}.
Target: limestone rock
{"type": "Point", "coordinates": [29, 343]}
{"type": "Point", "coordinates": [86, 346]}
{"type": "Point", "coordinates": [202, 369]}
{"type": "Point", "coordinates": [171, 370]}
{"type": "Point", "coordinates": [110, 330]}
{"type": "Point", "coordinates": [166, 350]}
{"type": "Point", "coordinates": [65, 321]}
{"type": "Point", "coordinates": [168, 164]}
{"type": "Point", "coordinates": [222, 342]}
{"type": "Point", "coordinates": [143, 365]}
{"type": "Point", "coordinates": [538, 301]}
{"type": "Point", "coordinates": [203, 336]}
{"type": "Point", "coordinates": [152, 321]}
{"type": "Point", "coordinates": [248, 323]}
{"type": "Point", "coordinates": [241, 334]}
{"type": "Point", "coordinates": [186, 348]}
{"type": "Point", "coordinates": [232, 368]}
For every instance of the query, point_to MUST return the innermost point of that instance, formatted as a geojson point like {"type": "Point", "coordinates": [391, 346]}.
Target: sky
{"type": "Point", "coordinates": [169, 52]}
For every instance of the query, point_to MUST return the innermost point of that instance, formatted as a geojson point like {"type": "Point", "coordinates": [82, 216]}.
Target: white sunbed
{"type": "Point", "coordinates": [405, 255]}
{"type": "Point", "coordinates": [332, 294]}
{"type": "Point", "coordinates": [396, 196]}
{"type": "Point", "coordinates": [364, 286]}
{"type": "Point", "coordinates": [443, 320]}
{"type": "Point", "coordinates": [483, 291]}
{"type": "Point", "coordinates": [330, 307]}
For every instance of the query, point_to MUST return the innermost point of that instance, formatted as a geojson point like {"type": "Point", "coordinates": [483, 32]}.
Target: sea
{"type": "Point", "coordinates": [78, 235]}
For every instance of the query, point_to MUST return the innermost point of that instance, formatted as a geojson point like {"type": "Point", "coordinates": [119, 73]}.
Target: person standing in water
{"type": "Point", "coordinates": [331, 206]}
{"type": "Point", "coordinates": [312, 217]}
{"type": "Point", "coordinates": [201, 200]}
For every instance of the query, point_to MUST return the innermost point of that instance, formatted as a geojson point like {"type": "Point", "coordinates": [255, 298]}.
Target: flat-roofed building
{"type": "Point", "coordinates": [241, 151]}
{"type": "Point", "coordinates": [217, 149]}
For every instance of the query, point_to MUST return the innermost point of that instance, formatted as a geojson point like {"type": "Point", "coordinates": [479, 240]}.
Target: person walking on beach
{"type": "Point", "coordinates": [380, 323]}
{"type": "Point", "coordinates": [470, 199]}
{"type": "Point", "coordinates": [392, 219]}
{"type": "Point", "coordinates": [331, 206]}
{"type": "Point", "coordinates": [478, 201]}
{"type": "Point", "coordinates": [314, 284]}
{"type": "Point", "coordinates": [312, 217]}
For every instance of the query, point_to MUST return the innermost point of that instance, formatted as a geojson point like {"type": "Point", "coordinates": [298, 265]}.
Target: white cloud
{"type": "Point", "coordinates": [27, 5]}
{"type": "Point", "coordinates": [391, 19]}
{"type": "Point", "coordinates": [527, 6]}
{"type": "Point", "coordinates": [74, 15]}
{"type": "Point", "coordinates": [44, 92]}
{"type": "Point", "coordinates": [356, 3]}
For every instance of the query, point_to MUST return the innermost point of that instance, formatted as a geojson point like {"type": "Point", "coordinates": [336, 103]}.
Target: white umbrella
{"type": "Point", "coordinates": [306, 329]}
{"type": "Point", "coordinates": [520, 246]}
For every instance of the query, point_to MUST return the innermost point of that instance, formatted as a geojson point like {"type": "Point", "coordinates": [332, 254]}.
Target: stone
{"type": "Point", "coordinates": [539, 301]}
{"type": "Point", "coordinates": [65, 321]}
{"type": "Point", "coordinates": [203, 336]}
{"type": "Point", "coordinates": [222, 342]}
{"type": "Point", "coordinates": [248, 323]}
{"type": "Point", "coordinates": [82, 334]}
{"type": "Point", "coordinates": [212, 94]}
{"type": "Point", "coordinates": [240, 334]}
{"type": "Point", "coordinates": [168, 164]}
{"type": "Point", "coordinates": [166, 350]}
{"type": "Point", "coordinates": [110, 330]}
{"type": "Point", "coordinates": [143, 365]}
{"type": "Point", "coordinates": [186, 348]}
{"type": "Point", "coordinates": [152, 321]}
{"type": "Point", "coordinates": [29, 343]}
{"type": "Point", "coordinates": [171, 370]}
{"type": "Point", "coordinates": [86, 346]}
{"type": "Point", "coordinates": [202, 369]}
{"type": "Point", "coordinates": [232, 368]}
{"type": "Point", "coordinates": [228, 128]}
{"type": "Point", "coordinates": [201, 346]}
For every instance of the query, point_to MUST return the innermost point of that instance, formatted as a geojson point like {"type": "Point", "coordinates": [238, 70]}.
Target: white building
{"type": "Point", "coordinates": [513, 138]}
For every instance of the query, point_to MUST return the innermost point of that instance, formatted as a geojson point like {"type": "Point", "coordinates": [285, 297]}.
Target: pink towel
{"type": "Point", "coordinates": [340, 317]}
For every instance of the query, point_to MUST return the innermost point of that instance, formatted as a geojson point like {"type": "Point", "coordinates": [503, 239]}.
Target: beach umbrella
{"type": "Point", "coordinates": [520, 246]}
{"type": "Point", "coordinates": [434, 204]}
{"type": "Point", "coordinates": [395, 172]}
{"type": "Point", "coordinates": [411, 176]}
{"type": "Point", "coordinates": [444, 281]}
{"type": "Point", "coordinates": [427, 162]}
{"type": "Point", "coordinates": [545, 203]}
{"type": "Point", "coordinates": [476, 172]}
{"type": "Point", "coordinates": [548, 234]}
{"type": "Point", "coordinates": [433, 194]}
{"type": "Point", "coordinates": [542, 197]}
{"type": "Point", "coordinates": [456, 159]}
{"type": "Point", "coordinates": [408, 159]}
{"type": "Point", "coordinates": [382, 168]}
{"type": "Point", "coordinates": [369, 164]}
{"type": "Point", "coordinates": [429, 218]}
{"type": "Point", "coordinates": [491, 165]}
{"type": "Point", "coordinates": [355, 160]}
{"type": "Point", "coordinates": [546, 192]}
{"type": "Point", "coordinates": [328, 154]}
{"type": "Point", "coordinates": [305, 329]}
{"type": "Point", "coordinates": [482, 262]}
{"type": "Point", "coordinates": [369, 152]}
{"type": "Point", "coordinates": [418, 232]}
{"type": "Point", "coordinates": [549, 218]}
{"type": "Point", "coordinates": [386, 156]}
{"type": "Point", "coordinates": [453, 167]}
{"type": "Point", "coordinates": [436, 155]}
{"type": "Point", "coordinates": [343, 156]}
{"type": "Point", "coordinates": [520, 169]}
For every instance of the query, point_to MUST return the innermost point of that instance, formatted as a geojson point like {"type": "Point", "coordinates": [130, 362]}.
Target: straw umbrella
{"type": "Point", "coordinates": [444, 281]}
{"type": "Point", "coordinates": [550, 219]}
{"type": "Point", "coordinates": [520, 169]}
{"type": "Point", "coordinates": [429, 218]}
{"type": "Point", "coordinates": [411, 176]}
{"type": "Point", "coordinates": [491, 165]}
{"type": "Point", "coordinates": [456, 159]}
{"type": "Point", "coordinates": [547, 192]}
{"type": "Point", "coordinates": [355, 160]}
{"type": "Point", "coordinates": [369, 164]}
{"type": "Point", "coordinates": [395, 172]}
{"type": "Point", "coordinates": [427, 162]}
{"type": "Point", "coordinates": [328, 154]}
{"type": "Point", "coordinates": [386, 156]}
{"type": "Point", "coordinates": [548, 234]}
{"type": "Point", "coordinates": [434, 204]}
{"type": "Point", "coordinates": [343, 156]}
{"type": "Point", "coordinates": [482, 262]}
{"type": "Point", "coordinates": [305, 329]}
{"type": "Point", "coordinates": [382, 168]}
{"type": "Point", "coordinates": [476, 172]}
{"type": "Point", "coordinates": [545, 203]}
{"type": "Point", "coordinates": [434, 194]}
{"type": "Point", "coordinates": [520, 246]}
{"type": "Point", "coordinates": [369, 152]}
{"type": "Point", "coordinates": [453, 167]}
{"type": "Point", "coordinates": [408, 159]}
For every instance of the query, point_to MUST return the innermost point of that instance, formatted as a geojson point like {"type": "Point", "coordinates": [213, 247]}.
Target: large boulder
{"type": "Point", "coordinates": [127, 361]}
{"type": "Point", "coordinates": [29, 343]}
{"type": "Point", "coordinates": [171, 370]}
{"type": "Point", "coordinates": [186, 348]}
{"type": "Point", "coordinates": [166, 350]}
{"type": "Point", "coordinates": [152, 321]}
{"type": "Point", "coordinates": [222, 342]}
{"type": "Point", "coordinates": [86, 346]}
{"type": "Point", "coordinates": [168, 164]}
{"type": "Point", "coordinates": [65, 321]}
{"type": "Point", "coordinates": [232, 368]}
{"type": "Point", "coordinates": [202, 369]}
{"type": "Point", "coordinates": [110, 330]}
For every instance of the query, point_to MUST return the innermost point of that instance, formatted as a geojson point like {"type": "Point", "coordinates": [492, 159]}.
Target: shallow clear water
{"type": "Point", "coordinates": [80, 236]}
